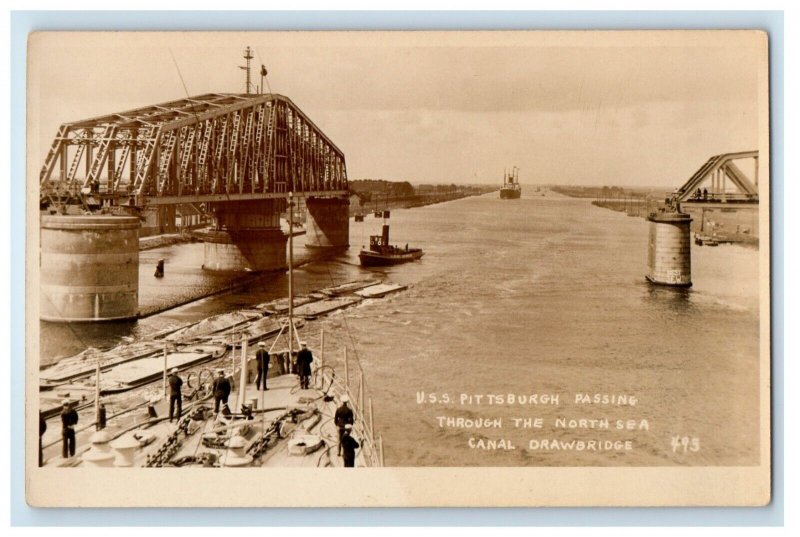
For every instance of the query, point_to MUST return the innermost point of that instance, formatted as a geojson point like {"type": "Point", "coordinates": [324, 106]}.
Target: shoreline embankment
{"type": "Point", "coordinates": [410, 202]}
{"type": "Point", "coordinates": [724, 224]}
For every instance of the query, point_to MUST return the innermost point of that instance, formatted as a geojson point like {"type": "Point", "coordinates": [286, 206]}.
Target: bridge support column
{"type": "Point", "coordinates": [327, 223]}
{"type": "Point", "coordinates": [669, 254]}
{"type": "Point", "coordinates": [247, 237]}
{"type": "Point", "coordinates": [90, 268]}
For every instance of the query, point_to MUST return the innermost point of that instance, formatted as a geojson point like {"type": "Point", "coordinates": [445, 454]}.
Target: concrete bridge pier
{"type": "Point", "coordinates": [327, 223]}
{"type": "Point", "coordinates": [247, 237]}
{"type": "Point", "coordinates": [669, 253]}
{"type": "Point", "coordinates": [90, 268]}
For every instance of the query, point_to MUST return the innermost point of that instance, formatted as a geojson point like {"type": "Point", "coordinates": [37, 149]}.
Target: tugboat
{"type": "Point", "coordinates": [511, 189]}
{"type": "Point", "coordinates": [705, 240]}
{"type": "Point", "coordinates": [381, 253]}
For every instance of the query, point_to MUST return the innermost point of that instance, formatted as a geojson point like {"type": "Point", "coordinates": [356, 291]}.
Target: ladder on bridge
{"type": "Point", "coordinates": [145, 157]}
{"type": "Point", "coordinates": [255, 159]}
{"type": "Point", "coordinates": [52, 155]}
{"type": "Point", "coordinates": [185, 157]}
{"type": "Point", "coordinates": [247, 138]}
{"type": "Point", "coordinates": [126, 150]}
{"type": "Point", "coordinates": [219, 154]}
{"type": "Point", "coordinates": [271, 143]}
{"type": "Point", "coordinates": [203, 153]}
{"type": "Point", "coordinates": [166, 158]}
{"type": "Point", "coordinates": [76, 160]}
{"type": "Point", "coordinates": [102, 155]}
{"type": "Point", "coordinates": [231, 175]}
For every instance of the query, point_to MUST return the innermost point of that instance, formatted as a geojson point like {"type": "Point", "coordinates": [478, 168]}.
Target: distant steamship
{"type": "Point", "coordinates": [511, 189]}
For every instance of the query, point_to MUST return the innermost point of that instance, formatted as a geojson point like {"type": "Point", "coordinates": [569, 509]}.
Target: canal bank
{"type": "Point", "coordinates": [410, 202]}
{"type": "Point", "coordinates": [726, 224]}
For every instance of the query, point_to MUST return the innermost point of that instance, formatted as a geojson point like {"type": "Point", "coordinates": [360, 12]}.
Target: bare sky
{"type": "Point", "coordinates": [579, 108]}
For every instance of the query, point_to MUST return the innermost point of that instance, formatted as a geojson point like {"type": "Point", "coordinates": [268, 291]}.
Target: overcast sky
{"type": "Point", "coordinates": [581, 109]}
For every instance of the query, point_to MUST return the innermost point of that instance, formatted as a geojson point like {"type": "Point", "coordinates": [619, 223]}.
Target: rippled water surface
{"type": "Point", "coordinates": [540, 296]}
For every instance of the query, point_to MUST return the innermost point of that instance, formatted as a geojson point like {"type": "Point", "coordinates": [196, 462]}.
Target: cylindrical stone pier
{"type": "Point", "coordinates": [327, 223]}
{"type": "Point", "coordinates": [245, 250]}
{"type": "Point", "coordinates": [90, 268]}
{"type": "Point", "coordinates": [669, 254]}
{"type": "Point", "coordinates": [248, 237]}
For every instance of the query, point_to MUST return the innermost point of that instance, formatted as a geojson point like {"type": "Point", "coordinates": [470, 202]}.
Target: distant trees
{"type": "Point", "coordinates": [402, 189]}
{"type": "Point", "coordinates": [368, 189]}
{"type": "Point", "coordinates": [601, 193]}
{"type": "Point", "coordinates": [375, 189]}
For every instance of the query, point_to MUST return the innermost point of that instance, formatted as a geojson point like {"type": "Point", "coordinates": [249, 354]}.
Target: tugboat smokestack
{"type": "Point", "coordinates": [385, 234]}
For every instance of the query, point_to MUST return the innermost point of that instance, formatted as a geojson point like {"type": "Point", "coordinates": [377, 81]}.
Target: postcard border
{"type": "Point", "coordinates": [24, 22]}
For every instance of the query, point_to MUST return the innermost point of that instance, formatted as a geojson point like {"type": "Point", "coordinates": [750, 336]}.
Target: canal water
{"type": "Point", "coordinates": [543, 299]}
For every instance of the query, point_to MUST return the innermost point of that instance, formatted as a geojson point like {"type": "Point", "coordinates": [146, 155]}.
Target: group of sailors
{"type": "Point", "coordinates": [221, 389]}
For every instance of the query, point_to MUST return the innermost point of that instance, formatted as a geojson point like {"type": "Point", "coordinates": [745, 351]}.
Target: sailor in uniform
{"type": "Point", "coordinates": [349, 447]}
{"type": "Point", "coordinates": [342, 418]}
{"type": "Point", "coordinates": [42, 430]}
{"type": "Point", "coordinates": [262, 365]}
{"type": "Point", "coordinates": [221, 389]}
{"type": "Point", "coordinates": [69, 419]}
{"type": "Point", "coordinates": [175, 383]}
{"type": "Point", "coordinates": [304, 359]}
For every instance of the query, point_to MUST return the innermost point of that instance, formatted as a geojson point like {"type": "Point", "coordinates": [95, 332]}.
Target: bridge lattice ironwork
{"type": "Point", "coordinates": [213, 147]}
{"type": "Point", "coordinates": [719, 169]}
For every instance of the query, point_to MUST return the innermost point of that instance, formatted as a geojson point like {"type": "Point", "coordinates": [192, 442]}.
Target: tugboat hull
{"type": "Point", "coordinates": [376, 259]}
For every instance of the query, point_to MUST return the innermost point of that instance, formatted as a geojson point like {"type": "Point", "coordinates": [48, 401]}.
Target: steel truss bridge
{"type": "Point", "coordinates": [213, 147]}
{"type": "Point", "coordinates": [720, 169]}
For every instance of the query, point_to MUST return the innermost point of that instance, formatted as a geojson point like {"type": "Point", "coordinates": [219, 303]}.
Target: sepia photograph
{"type": "Point", "coordinates": [486, 268]}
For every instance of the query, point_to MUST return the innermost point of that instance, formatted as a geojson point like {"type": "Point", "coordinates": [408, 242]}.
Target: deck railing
{"type": "Point", "coordinates": [363, 426]}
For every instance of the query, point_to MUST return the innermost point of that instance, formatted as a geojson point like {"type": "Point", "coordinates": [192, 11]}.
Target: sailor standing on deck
{"type": "Point", "coordinates": [222, 389]}
{"type": "Point", "coordinates": [262, 365]}
{"type": "Point", "coordinates": [42, 430]}
{"type": "Point", "coordinates": [175, 383]}
{"type": "Point", "coordinates": [69, 419]}
{"type": "Point", "coordinates": [342, 418]}
{"type": "Point", "coordinates": [304, 359]}
{"type": "Point", "coordinates": [349, 447]}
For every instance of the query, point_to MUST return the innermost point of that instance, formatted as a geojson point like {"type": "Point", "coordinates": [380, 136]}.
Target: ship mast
{"type": "Point", "coordinates": [248, 55]}
{"type": "Point", "coordinates": [291, 279]}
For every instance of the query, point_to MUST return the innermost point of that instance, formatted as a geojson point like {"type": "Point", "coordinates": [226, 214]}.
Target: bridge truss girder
{"type": "Point", "coordinates": [208, 147]}
{"type": "Point", "coordinates": [720, 169]}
